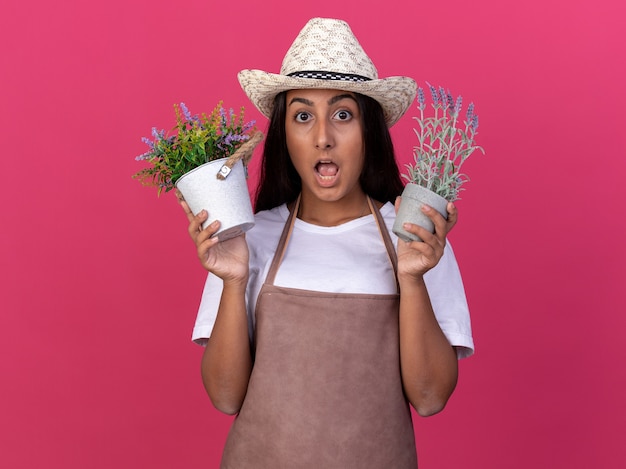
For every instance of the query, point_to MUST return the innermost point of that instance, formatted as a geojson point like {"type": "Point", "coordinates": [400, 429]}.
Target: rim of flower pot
{"type": "Point", "coordinates": [413, 197]}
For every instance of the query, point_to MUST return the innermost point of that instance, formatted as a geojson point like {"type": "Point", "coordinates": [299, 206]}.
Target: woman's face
{"type": "Point", "coordinates": [325, 142]}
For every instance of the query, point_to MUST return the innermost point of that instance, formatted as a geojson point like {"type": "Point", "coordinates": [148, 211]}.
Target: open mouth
{"type": "Point", "coordinates": [326, 170]}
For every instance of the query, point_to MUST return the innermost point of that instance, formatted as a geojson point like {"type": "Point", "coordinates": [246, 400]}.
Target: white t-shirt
{"type": "Point", "coordinates": [349, 258]}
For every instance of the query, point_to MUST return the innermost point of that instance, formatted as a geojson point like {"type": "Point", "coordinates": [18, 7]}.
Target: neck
{"type": "Point", "coordinates": [332, 213]}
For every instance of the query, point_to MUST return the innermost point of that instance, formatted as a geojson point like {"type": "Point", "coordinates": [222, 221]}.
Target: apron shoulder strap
{"type": "Point", "coordinates": [282, 243]}
{"type": "Point", "coordinates": [384, 233]}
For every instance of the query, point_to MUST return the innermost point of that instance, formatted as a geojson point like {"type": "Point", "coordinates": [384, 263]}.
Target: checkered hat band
{"type": "Point", "coordinates": [329, 76]}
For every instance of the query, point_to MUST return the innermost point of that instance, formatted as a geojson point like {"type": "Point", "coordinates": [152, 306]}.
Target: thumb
{"type": "Point", "coordinates": [397, 203]}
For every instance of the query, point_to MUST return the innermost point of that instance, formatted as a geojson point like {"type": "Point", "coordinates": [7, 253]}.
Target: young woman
{"type": "Point", "coordinates": [323, 326]}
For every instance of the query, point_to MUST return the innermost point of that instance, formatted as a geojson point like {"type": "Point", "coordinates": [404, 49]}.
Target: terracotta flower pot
{"type": "Point", "coordinates": [414, 197]}
{"type": "Point", "coordinates": [226, 200]}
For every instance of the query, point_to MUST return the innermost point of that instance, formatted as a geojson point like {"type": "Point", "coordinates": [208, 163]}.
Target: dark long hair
{"type": "Point", "coordinates": [280, 183]}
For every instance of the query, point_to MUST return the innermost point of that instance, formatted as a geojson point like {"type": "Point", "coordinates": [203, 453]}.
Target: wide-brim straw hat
{"type": "Point", "coordinates": [327, 55]}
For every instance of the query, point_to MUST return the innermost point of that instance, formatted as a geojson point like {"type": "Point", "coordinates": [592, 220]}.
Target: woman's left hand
{"type": "Point", "coordinates": [415, 258]}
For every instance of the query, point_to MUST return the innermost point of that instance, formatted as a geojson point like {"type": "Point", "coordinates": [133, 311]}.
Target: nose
{"type": "Point", "coordinates": [324, 137]}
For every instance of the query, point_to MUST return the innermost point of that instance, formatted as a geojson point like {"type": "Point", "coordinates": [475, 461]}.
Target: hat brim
{"type": "Point", "coordinates": [395, 94]}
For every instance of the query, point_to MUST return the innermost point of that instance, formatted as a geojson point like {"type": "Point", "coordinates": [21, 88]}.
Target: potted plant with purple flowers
{"type": "Point", "coordinates": [443, 145]}
{"type": "Point", "coordinates": [205, 158]}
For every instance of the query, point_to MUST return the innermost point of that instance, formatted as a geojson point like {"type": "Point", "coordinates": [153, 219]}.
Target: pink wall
{"type": "Point", "coordinates": [99, 282]}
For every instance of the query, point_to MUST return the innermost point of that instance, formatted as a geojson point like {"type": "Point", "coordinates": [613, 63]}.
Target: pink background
{"type": "Point", "coordinates": [99, 283]}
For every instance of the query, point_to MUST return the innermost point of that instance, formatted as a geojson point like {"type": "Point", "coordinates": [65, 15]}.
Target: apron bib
{"type": "Point", "coordinates": [325, 390]}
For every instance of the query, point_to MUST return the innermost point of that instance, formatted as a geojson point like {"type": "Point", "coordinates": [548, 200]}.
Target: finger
{"type": "Point", "coordinates": [422, 255]}
{"type": "Point", "coordinates": [204, 245]}
{"type": "Point", "coordinates": [184, 205]}
{"type": "Point", "coordinates": [207, 232]}
{"type": "Point", "coordinates": [195, 222]}
{"type": "Point", "coordinates": [453, 215]}
{"type": "Point", "coordinates": [181, 201]}
{"type": "Point", "coordinates": [187, 210]}
{"type": "Point", "coordinates": [441, 227]}
{"type": "Point", "coordinates": [419, 231]}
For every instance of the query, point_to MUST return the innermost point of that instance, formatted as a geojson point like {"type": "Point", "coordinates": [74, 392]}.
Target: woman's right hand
{"type": "Point", "coordinates": [227, 259]}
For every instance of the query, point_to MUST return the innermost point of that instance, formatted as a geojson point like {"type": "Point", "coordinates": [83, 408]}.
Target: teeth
{"type": "Point", "coordinates": [327, 169]}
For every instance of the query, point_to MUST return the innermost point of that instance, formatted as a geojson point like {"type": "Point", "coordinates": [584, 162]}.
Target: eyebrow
{"type": "Point", "coordinates": [339, 97]}
{"type": "Point", "coordinates": [331, 101]}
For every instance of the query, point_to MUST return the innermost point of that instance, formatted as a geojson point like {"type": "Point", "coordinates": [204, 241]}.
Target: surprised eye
{"type": "Point", "coordinates": [302, 117]}
{"type": "Point", "coordinates": [343, 115]}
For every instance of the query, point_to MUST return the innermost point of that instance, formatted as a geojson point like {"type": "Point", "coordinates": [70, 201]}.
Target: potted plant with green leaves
{"type": "Point", "coordinates": [444, 142]}
{"type": "Point", "coordinates": [205, 158]}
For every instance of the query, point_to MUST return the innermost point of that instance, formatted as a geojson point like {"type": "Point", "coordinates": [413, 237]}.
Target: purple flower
{"type": "Point", "coordinates": [186, 112]}
{"type": "Point", "coordinates": [247, 126]}
{"type": "Point", "coordinates": [157, 134]}
{"type": "Point", "coordinates": [145, 156]}
{"type": "Point", "coordinates": [450, 101]}
{"type": "Point", "coordinates": [433, 93]}
{"type": "Point", "coordinates": [444, 97]}
{"type": "Point", "coordinates": [420, 99]}
{"type": "Point", "coordinates": [238, 138]}
{"type": "Point", "coordinates": [457, 106]}
{"type": "Point", "coordinates": [148, 142]}
{"type": "Point", "coordinates": [474, 123]}
{"type": "Point", "coordinates": [470, 112]}
{"type": "Point", "coordinates": [230, 138]}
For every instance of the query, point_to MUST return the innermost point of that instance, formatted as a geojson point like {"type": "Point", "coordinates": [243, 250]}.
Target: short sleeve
{"type": "Point", "coordinates": [207, 312]}
{"type": "Point", "coordinates": [447, 296]}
